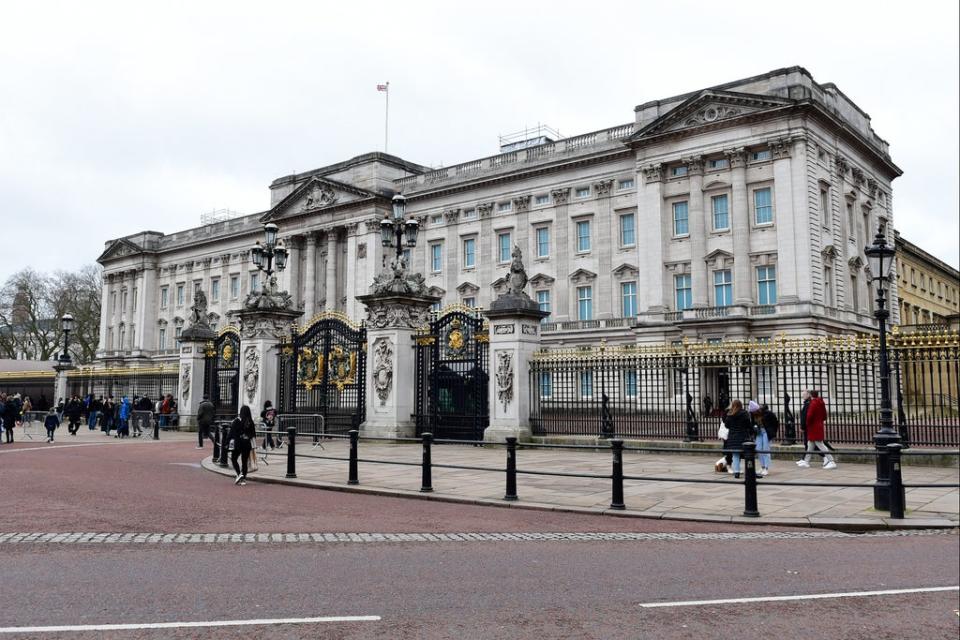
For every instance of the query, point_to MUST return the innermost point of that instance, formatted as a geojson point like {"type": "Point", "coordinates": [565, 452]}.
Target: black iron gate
{"type": "Point", "coordinates": [452, 376]}
{"type": "Point", "coordinates": [221, 378]}
{"type": "Point", "coordinates": [322, 371]}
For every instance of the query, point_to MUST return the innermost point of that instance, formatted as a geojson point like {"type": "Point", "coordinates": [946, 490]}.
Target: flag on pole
{"type": "Point", "coordinates": [383, 87]}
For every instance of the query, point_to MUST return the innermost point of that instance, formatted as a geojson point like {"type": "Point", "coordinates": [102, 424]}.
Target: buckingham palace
{"type": "Point", "coordinates": [734, 212]}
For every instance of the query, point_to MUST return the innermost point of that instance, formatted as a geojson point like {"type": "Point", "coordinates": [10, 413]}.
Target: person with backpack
{"type": "Point", "coordinates": [51, 423]}
{"type": "Point", "coordinates": [243, 432]}
{"type": "Point", "coordinates": [123, 427]}
{"type": "Point", "coordinates": [206, 414]}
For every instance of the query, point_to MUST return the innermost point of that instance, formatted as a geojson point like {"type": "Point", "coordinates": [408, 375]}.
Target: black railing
{"type": "Point", "coordinates": [617, 478]}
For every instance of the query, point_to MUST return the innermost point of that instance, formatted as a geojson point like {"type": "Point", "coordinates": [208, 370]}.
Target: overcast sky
{"type": "Point", "coordinates": [115, 118]}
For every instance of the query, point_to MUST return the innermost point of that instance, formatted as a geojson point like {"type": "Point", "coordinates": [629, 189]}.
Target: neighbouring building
{"type": "Point", "coordinates": [731, 212]}
{"type": "Point", "coordinates": [928, 287]}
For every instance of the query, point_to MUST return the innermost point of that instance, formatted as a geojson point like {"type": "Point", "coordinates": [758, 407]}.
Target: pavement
{"type": "Point", "coordinates": [817, 506]}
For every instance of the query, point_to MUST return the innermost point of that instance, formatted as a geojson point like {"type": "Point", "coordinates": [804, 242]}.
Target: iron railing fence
{"type": "Point", "coordinates": [679, 391]}
{"type": "Point", "coordinates": [152, 382]}
{"type": "Point", "coordinates": [39, 386]}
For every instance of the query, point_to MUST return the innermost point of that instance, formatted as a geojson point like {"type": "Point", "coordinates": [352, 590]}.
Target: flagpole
{"type": "Point", "coordinates": [386, 120]}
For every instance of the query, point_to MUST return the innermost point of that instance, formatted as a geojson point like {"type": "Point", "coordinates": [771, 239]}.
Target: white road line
{"type": "Point", "coordinates": [54, 446]}
{"type": "Point", "coordinates": [811, 596]}
{"type": "Point", "coordinates": [187, 625]}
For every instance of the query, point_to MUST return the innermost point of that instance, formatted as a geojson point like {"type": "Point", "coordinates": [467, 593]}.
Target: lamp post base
{"type": "Point", "coordinates": [881, 491]}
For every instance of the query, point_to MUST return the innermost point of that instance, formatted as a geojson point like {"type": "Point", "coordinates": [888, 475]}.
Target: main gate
{"type": "Point", "coordinates": [322, 371]}
{"type": "Point", "coordinates": [221, 378]}
{"type": "Point", "coordinates": [452, 375]}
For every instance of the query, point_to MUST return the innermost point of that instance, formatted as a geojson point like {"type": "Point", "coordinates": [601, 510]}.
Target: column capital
{"type": "Point", "coordinates": [737, 157]}
{"type": "Point", "coordinates": [694, 165]}
{"type": "Point", "coordinates": [485, 209]}
{"type": "Point", "coordinates": [560, 196]}
{"type": "Point", "coordinates": [653, 173]}
{"type": "Point", "coordinates": [603, 187]}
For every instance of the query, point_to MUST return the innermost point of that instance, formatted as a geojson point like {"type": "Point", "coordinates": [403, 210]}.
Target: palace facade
{"type": "Point", "coordinates": [736, 211]}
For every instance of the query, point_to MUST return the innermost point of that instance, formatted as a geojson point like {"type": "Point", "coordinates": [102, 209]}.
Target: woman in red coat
{"type": "Point", "coordinates": [815, 417]}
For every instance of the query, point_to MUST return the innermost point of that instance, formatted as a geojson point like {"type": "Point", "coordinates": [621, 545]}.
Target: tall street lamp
{"type": "Point", "coordinates": [264, 255]}
{"type": "Point", "coordinates": [881, 258]}
{"type": "Point", "coordinates": [395, 232]}
{"type": "Point", "coordinates": [66, 324]}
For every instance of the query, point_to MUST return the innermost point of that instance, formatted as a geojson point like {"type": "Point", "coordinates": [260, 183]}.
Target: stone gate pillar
{"type": "Point", "coordinates": [514, 336]}
{"type": "Point", "coordinates": [60, 382]}
{"type": "Point", "coordinates": [193, 343]}
{"type": "Point", "coordinates": [392, 320]}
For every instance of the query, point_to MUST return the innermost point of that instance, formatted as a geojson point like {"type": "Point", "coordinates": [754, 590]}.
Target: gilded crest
{"type": "Point", "coordinates": [342, 367]}
{"type": "Point", "coordinates": [227, 354]}
{"type": "Point", "coordinates": [310, 368]}
{"type": "Point", "coordinates": [456, 341]}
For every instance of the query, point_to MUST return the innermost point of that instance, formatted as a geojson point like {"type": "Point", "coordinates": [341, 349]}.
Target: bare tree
{"type": "Point", "coordinates": [31, 305]}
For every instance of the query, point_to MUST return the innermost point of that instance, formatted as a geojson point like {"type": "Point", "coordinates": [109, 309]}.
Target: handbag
{"type": "Point", "coordinates": [252, 461]}
{"type": "Point", "coordinates": [723, 433]}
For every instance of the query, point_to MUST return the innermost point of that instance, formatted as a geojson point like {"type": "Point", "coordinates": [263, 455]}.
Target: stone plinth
{"type": "Point", "coordinates": [261, 330]}
{"type": "Point", "coordinates": [193, 346]}
{"type": "Point", "coordinates": [514, 336]}
{"type": "Point", "coordinates": [392, 320]}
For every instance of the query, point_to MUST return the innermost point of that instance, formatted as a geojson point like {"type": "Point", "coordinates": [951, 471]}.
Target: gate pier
{"type": "Point", "coordinates": [261, 331]}
{"type": "Point", "coordinates": [191, 374]}
{"type": "Point", "coordinates": [392, 321]}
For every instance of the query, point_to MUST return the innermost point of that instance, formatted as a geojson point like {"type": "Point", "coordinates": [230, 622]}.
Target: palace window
{"type": "Point", "coordinates": [628, 234]}
{"type": "Point", "coordinates": [828, 286]}
{"type": "Point", "coordinates": [721, 212]}
{"type": "Point", "coordinates": [180, 295]}
{"type": "Point", "coordinates": [436, 257]}
{"type": "Point", "coordinates": [585, 303]}
{"type": "Point", "coordinates": [177, 333]}
{"type": "Point", "coordinates": [626, 183]}
{"type": "Point", "coordinates": [586, 384]}
{"type": "Point", "coordinates": [503, 246]}
{"type": "Point", "coordinates": [162, 338]}
{"type": "Point", "coordinates": [234, 287]}
{"type": "Point", "coordinates": [123, 301]}
{"type": "Point", "coordinates": [215, 289]}
{"type": "Point", "coordinates": [469, 214]}
{"type": "Point", "coordinates": [854, 292]}
{"type": "Point", "coordinates": [503, 207]}
{"type": "Point", "coordinates": [723, 288]}
{"type": "Point", "coordinates": [678, 171]}
{"type": "Point", "coordinates": [254, 282]}
{"type": "Point", "coordinates": [630, 383]}
{"type": "Point", "coordinates": [436, 220]}
{"type": "Point", "coordinates": [582, 192]}
{"type": "Point", "coordinates": [767, 285]}
{"type": "Point", "coordinates": [543, 300]}
{"type": "Point", "coordinates": [719, 163]}
{"type": "Point", "coordinates": [760, 156]}
{"type": "Point", "coordinates": [164, 297]}
{"type": "Point", "coordinates": [684, 294]}
{"type": "Point", "coordinates": [546, 384]}
{"type": "Point", "coordinates": [763, 206]}
{"type": "Point", "coordinates": [541, 199]}
{"type": "Point", "coordinates": [825, 206]}
{"type": "Point", "coordinates": [469, 253]}
{"type": "Point", "coordinates": [543, 242]}
{"type": "Point", "coordinates": [583, 236]}
{"type": "Point", "coordinates": [681, 219]}
{"type": "Point", "coordinates": [470, 302]}
{"type": "Point", "coordinates": [628, 299]}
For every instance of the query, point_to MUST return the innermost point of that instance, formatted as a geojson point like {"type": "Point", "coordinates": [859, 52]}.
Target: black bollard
{"type": "Point", "coordinates": [616, 501]}
{"type": "Point", "coordinates": [156, 428]}
{"type": "Point", "coordinates": [224, 444]}
{"type": "Point", "coordinates": [216, 443]}
{"type": "Point", "coordinates": [898, 496]}
{"type": "Point", "coordinates": [426, 484]}
{"type": "Point", "coordinates": [511, 493]}
{"type": "Point", "coordinates": [750, 479]}
{"type": "Point", "coordinates": [291, 452]}
{"type": "Point", "coordinates": [354, 441]}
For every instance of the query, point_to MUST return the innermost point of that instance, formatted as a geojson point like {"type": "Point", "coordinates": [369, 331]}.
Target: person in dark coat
{"type": "Point", "coordinates": [740, 427]}
{"type": "Point", "coordinates": [206, 414]}
{"type": "Point", "coordinates": [74, 412]}
{"type": "Point", "coordinates": [243, 433]}
{"type": "Point", "coordinates": [10, 413]}
{"type": "Point", "coordinates": [51, 422]}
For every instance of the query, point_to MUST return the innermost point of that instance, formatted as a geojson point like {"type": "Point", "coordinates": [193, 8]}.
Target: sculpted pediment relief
{"type": "Point", "coordinates": [314, 195]}
{"type": "Point", "coordinates": [582, 275]}
{"type": "Point", "coordinates": [467, 288]}
{"type": "Point", "coordinates": [626, 270]}
{"type": "Point", "coordinates": [541, 280]}
{"type": "Point", "coordinates": [499, 285]}
{"type": "Point", "coordinates": [709, 107]}
{"type": "Point", "coordinates": [119, 249]}
{"type": "Point", "coordinates": [437, 291]}
{"type": "Point", "coordinates": [719, 259]}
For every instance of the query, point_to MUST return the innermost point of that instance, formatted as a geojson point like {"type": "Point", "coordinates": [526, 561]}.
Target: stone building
{"type": "Point", "coordinates": [735, 211]}
{"type": "Point", "coordinates": [928, 287]}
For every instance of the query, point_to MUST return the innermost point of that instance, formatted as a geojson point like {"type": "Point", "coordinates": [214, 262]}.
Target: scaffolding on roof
{"type": "Point", "coordinates": [219, 215]}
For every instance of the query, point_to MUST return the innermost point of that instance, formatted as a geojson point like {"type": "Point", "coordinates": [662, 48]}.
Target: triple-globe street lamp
{"type": "Point", "coordinates": [396, 232]}
{"type": "Point", "coordinates": [66, 325]}
{"type": "Point", "coordinates": [880, 255]}
{"type": "Point", "coordinates": [264, 255]}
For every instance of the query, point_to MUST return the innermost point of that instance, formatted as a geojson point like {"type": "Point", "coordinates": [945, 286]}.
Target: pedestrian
{"type": "Point", "coordinates": [814, 423]}
{"type": "Point", "coordinates": [740, 430]}
{"type": "Point", "coordinates": [766, 425]}
{"type": "Point", "coordinates": [123, 427]}
{"type": "Point", "coordinates": [165, 410]}
{"type": "Point", "coordinates": [10, 414]}
{"type": "Point", "coordinates": [106, 416]}
{"type": "Point", "coordinates": [73, 410]}
{"type": "Point", "coordinates": [269, 418]}
{"type": "Point", "coordinates": [51, 422]}
{"type": "Point", "coordinates": [707, 406]}
{"type": "Point", "coordinates": [242, 432]}
{"type": "Point", "coordinates": [206, 413]}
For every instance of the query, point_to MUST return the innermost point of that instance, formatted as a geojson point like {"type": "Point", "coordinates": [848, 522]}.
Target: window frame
{"type": "Point", "coordinates": [623, 186]}
{"type": "Point", "coordinates": [541, 303]}
{"type": "Point", "coordinates": [164, 297]}
{"type": "Point", "coordinates": [633, 229]}
{"type": "Point", "coordinates": [578, 237]}
{"type": "Point", "coordinates": [581, 193]}
{"type": "Point", "coordinates": [538, 203]}
{"type": "Point", "coordinates": [501, 257]}
{"type": "Point", "coordinates": [436, 256]}
{"type": "Point", "coordinates": [536, 234]}
{"type": "Point", "coordinates": [766, 281]}
{"type": "Point", "coordinates": [726, 285]}
{"type": "Point", "coordinates": [713, 211]}
{"type": "Point", "coordinates": [628, 295]}
{"type": "Point", "coordinates": [581, 299]}
{"type": "Point", "coordinates": [688, 289]}
{"type": "Point", "coordinates": [215, 289]}
{"type": "Point", "coordinates": [756, 210]}
{"type": "Point", "coordinates": [473, 243]}
{"type": "Point", "coordinates": [673, 211]}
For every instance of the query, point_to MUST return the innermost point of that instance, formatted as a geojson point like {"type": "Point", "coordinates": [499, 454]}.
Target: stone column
{"type": "Point", "coordinates": [650, 287]}
{"type": "Point", "coordinates": [310, 278]}
{"type": "Point", "coordinates": [292, 274]}
{"type": "Point", "coordinates": [787, 266]}
{"type": "Point", "coordinates": [486, 252]}
{"type": "Point", "coordinates": [451, 249]}
{"type": "Point", "coordinates": [331, 289]}
{"type": "Point", "coordinates": [514, 336]}
{"type": "Point", "coordinates": [147, 315]}
{"type": "Point", "coordinates": [60, 382]}
{"type": "Point", "coordinates": [392, 320]}
{"type": "Point", "coordinates": [352, 273]}
{"type": "Point", "coordinates": [740, 228]}
{"type": "Point", "coordinates": [104, 312]}
{"type": "Point", "coordinates": [603, 245]}
{"type": "Point", "coordinates": [193, 345]}
{"type": "Point", "coordinates": [559, 250]}
{"type": "Point", "coordinates": [261, 330]}
{"type": "Point", "coordinates": [698, 233]}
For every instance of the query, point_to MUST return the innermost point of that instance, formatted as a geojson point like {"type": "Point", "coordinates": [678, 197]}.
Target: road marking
{"type": "Point", "coordinates": [187, 625]}
{"type": "Point", "coordinates": [54, 446]}
{"type": "Point", "coordinates": [340, 538]}
{"type": "Point", "coordinates": [811, 596]}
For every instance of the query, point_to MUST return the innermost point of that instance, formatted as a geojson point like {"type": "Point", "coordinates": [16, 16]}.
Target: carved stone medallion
{"type": "Point", "coordinates": [251, 375]}
{"type": "Point", "coordinates": [383, 368]}
{"type": "Point", "coordinates": [505, 378]}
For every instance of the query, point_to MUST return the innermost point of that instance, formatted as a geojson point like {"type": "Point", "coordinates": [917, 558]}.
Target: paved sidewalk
{"type": "Point", "coordinates": [788, 505]}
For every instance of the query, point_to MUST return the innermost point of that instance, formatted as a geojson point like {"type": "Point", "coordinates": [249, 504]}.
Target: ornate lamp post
{"type": "Point", "coordinates": [396, 232]}
{"type": "Point", "coordinates": [66, 324]}
{"type": "Point", "coordinates": [264, 255]}
{"type": "Point", "coordinates": [881, 258]}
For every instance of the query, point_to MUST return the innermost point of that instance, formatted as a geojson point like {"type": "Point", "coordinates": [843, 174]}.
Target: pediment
{"type": "Point", "coordinates": [626, 269]}
{"type": "Point", "coordinates": [829, 252]}
{"type": "Point", "coordinates": [710, 107]}
{"type": "Point", "coordinates": [437, 291]}
{"type": "Point", "coordinates": [718, 258]}
{"type": "Point", "coordinates": [120, 249]}
{"type": "Point", "coordinates": [542, 280]}
{"type": "Point", "coordinates": [855, 263]}
{"type": "Point", "coordinates": [499, 284]}
{"type": "Point", "coordinates": [314, 195]}
{"type": "Point", "coordinates": [467, 287]}
{"type": "Point", "coordinates": [582, 275]}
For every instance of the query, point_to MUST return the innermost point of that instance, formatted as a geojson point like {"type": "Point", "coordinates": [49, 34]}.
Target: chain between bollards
{"type": "Point", "coordinates": [426, 485]}
{"type": "Point", "coordinates": [511, 493]}
{"type": "Point", "coordinates": [897, 495]}
{"type": "Point", "coordinates": [354, 441]}
{"type": "Point", "coordinates": [750, 479]}
{"type": "Point", "coordinates": [224, 444]}
{"type": "Point", "coordinates": [291, 452]}
{"type": "Point", "coordinates": [616, 499]}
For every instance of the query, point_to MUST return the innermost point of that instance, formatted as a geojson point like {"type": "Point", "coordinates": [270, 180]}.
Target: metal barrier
{"type": "Point", "coordinates": [750, 482]}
